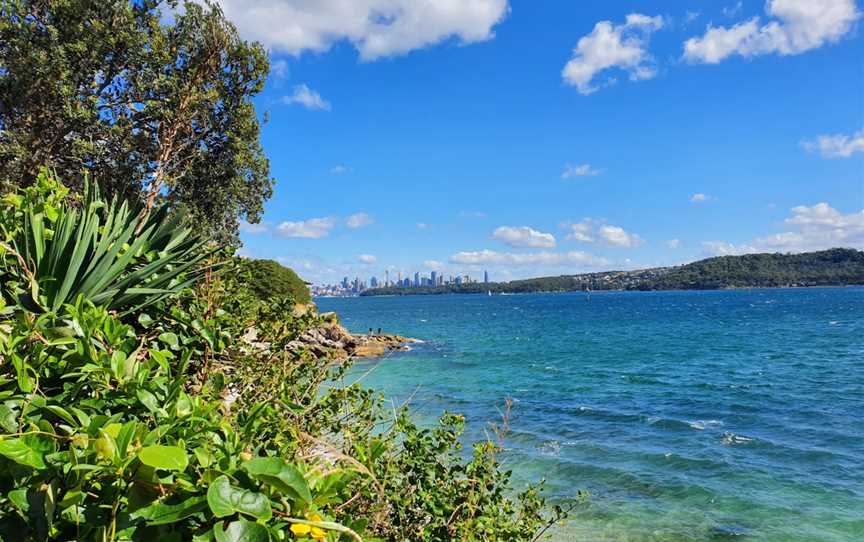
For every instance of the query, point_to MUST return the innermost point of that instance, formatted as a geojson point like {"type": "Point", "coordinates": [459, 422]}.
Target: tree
{"type": "Point", "coordinates": [270, 279]}
{"type": "Point", "coordinates": [153, 110]}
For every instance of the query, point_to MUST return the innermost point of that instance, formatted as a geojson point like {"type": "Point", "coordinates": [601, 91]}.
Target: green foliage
{"type": "Point", "coordinates": [112, 254]}
{"type": "Point", "coordinates": [163, 423]}
{"type": "Point", "coordinates": [153, 110]}
{"type": "Point", "coordinates": [271, 280]}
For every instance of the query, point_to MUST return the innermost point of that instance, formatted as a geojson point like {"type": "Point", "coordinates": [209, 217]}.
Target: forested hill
{"type": "Point", "coordinates": [835, 267]}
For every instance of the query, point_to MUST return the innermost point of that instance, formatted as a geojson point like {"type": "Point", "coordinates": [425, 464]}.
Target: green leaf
{"type": "Point", "coordinates": [148, 400]}
{"type": "Point", "coordinates": [280, 475]}
{"type": "Point", "coordinates": [241, 531]}
{"type": "Point", "coordinates": [164, 514]}
{"type": "Point", "coordinates": [164, 457]}
{"type": "Point", "coordinates": [8, 420]}
{"type": "Point", "coordinates": [170, 339]}
{"type": "Point", "coordinates": [18, 451]}
{"type": "Point", "coordinates": [224, 500]}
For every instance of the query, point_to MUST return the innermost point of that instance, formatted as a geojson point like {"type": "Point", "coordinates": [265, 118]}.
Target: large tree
{"type": "Point", "coordinates": [152, 98]}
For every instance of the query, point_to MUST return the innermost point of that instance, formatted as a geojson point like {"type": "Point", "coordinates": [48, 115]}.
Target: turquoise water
{"type": "Point", "coordinates": [728, 415]}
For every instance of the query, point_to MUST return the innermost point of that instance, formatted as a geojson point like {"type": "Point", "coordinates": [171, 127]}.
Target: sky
{"type": "Point", "coordinates": [542, 138]}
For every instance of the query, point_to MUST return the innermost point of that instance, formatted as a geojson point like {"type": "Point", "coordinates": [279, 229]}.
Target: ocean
{"type": "Point", "coordinates": [687, 416]}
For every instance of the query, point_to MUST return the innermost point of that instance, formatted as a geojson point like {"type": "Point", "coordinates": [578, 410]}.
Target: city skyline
{"type": "Point", "coordinates": [348, 286]}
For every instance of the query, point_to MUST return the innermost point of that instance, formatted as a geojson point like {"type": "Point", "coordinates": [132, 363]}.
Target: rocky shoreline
{"type": "Point", "coordinates": [332, 341]}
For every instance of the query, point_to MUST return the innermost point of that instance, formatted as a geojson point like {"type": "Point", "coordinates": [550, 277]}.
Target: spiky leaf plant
{"type": "Point", "coordinates": [114, 253]}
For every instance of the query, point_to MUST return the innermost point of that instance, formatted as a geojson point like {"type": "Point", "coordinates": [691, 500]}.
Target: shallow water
{"type": "Point", "coordinates": [727, 415]}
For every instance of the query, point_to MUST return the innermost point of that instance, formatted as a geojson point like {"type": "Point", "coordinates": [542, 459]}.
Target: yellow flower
{"type": "Point", "coordinates": [313, 517]}
{"type": "Point", "coordinates": [300, 529]}
{"type": "Point", "coordinates": [318, 534]}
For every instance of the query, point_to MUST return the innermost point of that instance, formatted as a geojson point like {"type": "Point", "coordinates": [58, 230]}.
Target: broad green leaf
{"type": "Point", "coordinates": [8, 420]}
{"type": "Point", "coordinates": [170, 339]}
{"type": "Point", "coordinates": [18, 451]}
{"type": "Point", "coordinates": [225, 499]}
{"type": "Point", "coordinates": [148, 400]}
{"type": "Point", "coordinates": [241, 531]}
{"type": "Point", "coordinates": [163, 514]}
{"type": "Point", "coordinates": [164, 457]}
{"type": "Point", "coordinates": [280, 475]}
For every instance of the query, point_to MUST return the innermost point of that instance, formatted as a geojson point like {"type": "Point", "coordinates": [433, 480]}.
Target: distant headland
{"type": "Point", "coordinates": [834, 267]}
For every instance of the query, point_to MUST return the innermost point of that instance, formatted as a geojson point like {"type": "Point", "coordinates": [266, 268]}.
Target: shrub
{"type": "Point", "coordinates": [271, 280]}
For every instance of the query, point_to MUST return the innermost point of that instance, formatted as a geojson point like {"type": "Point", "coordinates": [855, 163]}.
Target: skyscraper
{"type": "Point", "coordinates": [416, 279]}
{"type": "Point", "coordinates": [434, 278]}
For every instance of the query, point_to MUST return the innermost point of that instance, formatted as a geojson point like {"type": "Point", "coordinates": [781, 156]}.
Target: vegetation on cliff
{"type": "Point", "coordinates": [270, 279]}
{"type": "Point", "coordinates": [137, 409]}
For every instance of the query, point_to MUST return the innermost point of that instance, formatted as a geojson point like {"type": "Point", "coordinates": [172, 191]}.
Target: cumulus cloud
{"type": "Point", "coordinates": [308, 98]}
{"type": "Point", "coordinates": [582, 170]}
{"type": "Point", "coordinates": [733, 9]}
{"type": "Point", "coordinates": [377, 28]}
{"type": "Point", "coordinates": [794, 26]}
{"type": "Point", "coordinates": [817, 227]}
{"type": "Point", "coordinates": [618, 237]}
{"type": "Point", "coordinates": [699, 197]}
{"type": "Point", "coordinates": [279, 68]}
{"type": "Point", "coordinates": [837, 145]}
{"type": "Point", "coordinates": [610, 46]}
{"type": "Point", "coordinates": [359, 220]}
{"type": "Point", "coordinates": [253, 229]}
{"type": "Point", "coordinates": [314, 228]}
{"type": "Point", "coordinates": [596, 231]}
{"type": "Point", "coordinates": [433, 264]}
{"type": "Point", "coordinates": [523, 236]}
{"type": "Point", "coordinates": [491, 257]}
{"type": "Point", "coordinates": [367, 259]}
{"type": "Point", "coordinates": [673, 243]}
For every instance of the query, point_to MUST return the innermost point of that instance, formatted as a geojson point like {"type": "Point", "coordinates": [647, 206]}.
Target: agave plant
{"type": "Point", "coordinates": [115, 254]}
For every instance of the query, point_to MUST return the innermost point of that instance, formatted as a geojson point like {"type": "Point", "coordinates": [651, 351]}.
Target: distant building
{"type": "Point", "coordinates": [417, 279]}
{"type": "Point", "coordinates": [485, 277]}
{"type": "Point", "coordinates": [373, 282]}
{"type": "Point", "coordinates": [434, 279]}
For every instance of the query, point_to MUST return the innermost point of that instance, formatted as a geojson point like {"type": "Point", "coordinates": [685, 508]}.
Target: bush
{"type": "Point", "coordinates": [271, 280]}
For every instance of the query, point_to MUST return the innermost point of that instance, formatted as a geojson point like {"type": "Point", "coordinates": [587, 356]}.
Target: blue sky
{"type": "Point", "coordinates": [539, 138]}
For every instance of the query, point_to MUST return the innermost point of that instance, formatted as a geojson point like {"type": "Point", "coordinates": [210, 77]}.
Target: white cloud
{"type": "Point", "coordinates": [422, 226]}
{"type": "Point", "coordinates": [591, 231]}
{"type": "Point", "coordinates": [582, 170]}
{"type": "Point", "coordinates": [367, 259]}
{"type": "Point", "coordinates": [673, 243]}
{"type": "Point", "coordinates": [491, 257]}
{"type": "Point", "coordinates": [699, 197]}
{"type": "Point", "coordinates": [279, 68]}
{"type": "Point", "coordinates": [433, 264]}
{"type": "Point", "coordinates": [618, 237]}
{"type": "Point", "coordinates": [472, 214]}
{"type": "Point", "coordinates": [308, 98]}
{"type": "Point", "coordinates": [339, 169]}
{"type": "Point", "coordinates": [734, 9]}
{"type": "Point", "coordinates": [253, 229]}
{"type": "Point", "coordinates": [359, 220]}
{"type": "Point", "coordinates": [314, 228]}
{"type": "Point", "coordinates": [817, 227]}
{"type": "Point", "coordinates": [523, 236]}
{"type": "Point", "coordinates": [691, 16]}
{"type": "Point", "coordinates": [836, 145]}
{"type": "Point", "coordinates": [609, 46]}
{"type": "Point", "coordinates": [377, 28]}
{"type": "Point", "coordinates": [797, 26]}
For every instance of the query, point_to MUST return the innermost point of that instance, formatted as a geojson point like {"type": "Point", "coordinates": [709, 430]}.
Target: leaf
{"type": "Point", "coordinates": [18, 451]}
{"type": "Point", "coordinates": [8, 420]}
{"type": "Point", "coordinates": [280, 475]}
{"type": "Point", "coordinates": [241, 531]}
{"type": "Point", "coordinates": [163, 514]}
{"type": "Point", "coordinates": [170, 339]}
{"type": "Point", "coordinates": [148, 400]}
{"type": "Point", "coordinates": [164, 457]}
{"type": "Point", "coordinates": [224, 500]}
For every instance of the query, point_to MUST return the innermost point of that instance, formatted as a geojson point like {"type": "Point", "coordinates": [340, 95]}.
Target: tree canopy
{"type": "Point", "coordinates": [270, 280]}
{"type": "Point", "coordinates": [152, 98]}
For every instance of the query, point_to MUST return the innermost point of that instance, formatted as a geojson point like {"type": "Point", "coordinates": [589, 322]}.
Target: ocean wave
{"type": "Point", "coordinates": [704, 424]}
{"type": "Point", "coordinates": [731, 439]}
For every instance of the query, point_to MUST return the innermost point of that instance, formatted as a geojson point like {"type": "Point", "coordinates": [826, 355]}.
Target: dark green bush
{"type": "Point", "coordinates": [271, 280]}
